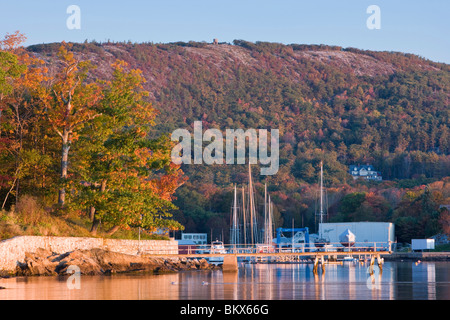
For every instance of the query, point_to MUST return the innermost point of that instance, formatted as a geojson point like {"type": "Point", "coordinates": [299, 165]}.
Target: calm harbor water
{"type": "Point", "coordinates": [350, 281]}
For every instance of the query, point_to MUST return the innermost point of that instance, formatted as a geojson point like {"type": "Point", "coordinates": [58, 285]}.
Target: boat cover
{"type": "Point", "coordinates": [347, 238]}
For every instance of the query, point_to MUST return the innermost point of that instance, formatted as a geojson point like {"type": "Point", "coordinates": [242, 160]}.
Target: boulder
{"type": "Point", "coordinates": [98, 261]}
{"type": "Point", "coordinates": [38, 263]}
{"type": "Point", "coordinates": [204, 264]}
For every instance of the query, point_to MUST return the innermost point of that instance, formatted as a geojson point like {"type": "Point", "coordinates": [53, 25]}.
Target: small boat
{"type": "Point", "coordinates": [321, 242]}
{"type": "Point", "coordinates": [349, 259]}
{"type": "Point", "coordinates": [347, 238]}
{"type": "Point", "coordinates": [217, 247]}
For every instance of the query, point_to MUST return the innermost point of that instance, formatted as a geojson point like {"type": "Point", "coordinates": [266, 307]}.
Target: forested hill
{"type": "Point", "coordinates": [364, 107]}
{"type": "Point", "coordinates": [341, 105]}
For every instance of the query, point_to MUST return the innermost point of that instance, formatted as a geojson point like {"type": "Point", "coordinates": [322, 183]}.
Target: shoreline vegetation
{"type": "Point", "coordinates": [30, 218]}
{"type": "Point", "coordinates": [74, 145]}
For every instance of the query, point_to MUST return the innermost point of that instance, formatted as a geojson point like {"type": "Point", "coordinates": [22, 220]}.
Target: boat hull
{"type": "Point", "coordinates": [348, 244]}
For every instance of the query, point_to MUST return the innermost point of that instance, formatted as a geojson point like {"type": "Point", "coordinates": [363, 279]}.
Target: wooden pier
{"type": "Point", "coordinates": [317, 256]}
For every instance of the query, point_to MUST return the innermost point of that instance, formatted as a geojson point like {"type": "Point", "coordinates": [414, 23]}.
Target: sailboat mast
{"type": "Point", "coordinates": [269, 224]}
{"type": "Point", "coordinates": [265, 214]}
{"type": "Point", "coordinates": [235, 233]}
{"type": "Point", "coordinates": [250, 193]}
{"type": "Point", "coordinates": [321, 192]}
{"type": "Point", "coordinates": [243, 216]}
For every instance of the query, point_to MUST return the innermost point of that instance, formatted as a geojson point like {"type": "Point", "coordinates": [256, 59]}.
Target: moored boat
{"type": "Point", "coordinates": [347, 238]}
{"type": "Point", "coordinates": [217, 247]}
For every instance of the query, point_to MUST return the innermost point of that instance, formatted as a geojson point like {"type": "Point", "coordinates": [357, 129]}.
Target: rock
{"type": "Point", "coordinates": [37, 263]}
{"type": "Point", "coordinates": [82, 259]}
{"type": "Point", "coordinates": [99, 261]}
{"type": "Point", "coordinates": [204, 264]}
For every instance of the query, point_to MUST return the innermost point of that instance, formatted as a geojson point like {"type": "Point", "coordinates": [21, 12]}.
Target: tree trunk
{"type": "Point", "coordinates": [95, 225]}
{"type": "Point", "coordinates": [103, 186]}
{"type": "Point", "coordinates": [64, 165]}
{"type": "Point", "coordinates": [7, 195]}
{"type": "Point", "coordinates": [17, 191]}
{"type": "Point", "coordinates": [112, 230]}
{"type": "Point", "coordinates": [93, 215]}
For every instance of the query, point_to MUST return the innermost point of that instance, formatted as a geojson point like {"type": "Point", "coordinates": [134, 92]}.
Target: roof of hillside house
{"type": "Point", "coordinates": [359, 167]}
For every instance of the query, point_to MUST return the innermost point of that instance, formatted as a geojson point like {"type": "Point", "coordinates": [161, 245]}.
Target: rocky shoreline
{"type": "Point", "coordinates": [100, 262]}
{"type": "Point", "coordinates": [414, 256]}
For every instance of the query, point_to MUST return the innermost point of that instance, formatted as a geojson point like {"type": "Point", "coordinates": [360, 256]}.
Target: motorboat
{"type": "Point", "coordinates": [349, 259]}
{"type": "Point", "coordinates": [217, 247]}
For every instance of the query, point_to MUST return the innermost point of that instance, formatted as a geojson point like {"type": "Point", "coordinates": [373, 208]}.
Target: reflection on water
{"type": "Point", "coordinates": [398, 280]}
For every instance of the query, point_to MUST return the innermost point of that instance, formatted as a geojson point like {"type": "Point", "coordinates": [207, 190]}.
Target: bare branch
{"type": "Point", "coordinates": [57, 131]}
{"type": "Point", "coordinates": [61, 96]}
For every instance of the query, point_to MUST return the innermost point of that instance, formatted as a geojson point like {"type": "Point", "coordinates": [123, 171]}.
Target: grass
{"type": "Point", "coordinates": [30, 218]}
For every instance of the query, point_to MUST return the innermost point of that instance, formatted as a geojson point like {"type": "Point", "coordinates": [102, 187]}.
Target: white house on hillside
{"type": "Point", "coordinates": [365, 172]}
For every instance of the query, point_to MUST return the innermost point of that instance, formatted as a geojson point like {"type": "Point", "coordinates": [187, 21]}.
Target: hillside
{"type": "Point", "coordinates": [340, 105]}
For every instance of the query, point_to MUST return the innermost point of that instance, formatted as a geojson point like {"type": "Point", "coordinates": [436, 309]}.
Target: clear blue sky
{"type": "Point", "coordinates": [419, 27]}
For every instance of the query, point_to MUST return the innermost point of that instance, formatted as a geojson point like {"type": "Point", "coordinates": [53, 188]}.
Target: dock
{"type": "Point", "coordinates": [319, 256]}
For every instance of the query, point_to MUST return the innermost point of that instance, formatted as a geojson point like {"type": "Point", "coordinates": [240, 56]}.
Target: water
{"type": "Point", "coordinates": [351, 281]}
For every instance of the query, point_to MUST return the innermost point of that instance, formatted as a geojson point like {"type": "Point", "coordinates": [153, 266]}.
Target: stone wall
{"type": "Point", "coordinates": [14, 249]}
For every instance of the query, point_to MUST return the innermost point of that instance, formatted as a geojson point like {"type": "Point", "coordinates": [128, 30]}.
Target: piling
{"type": "Point", "coordinates": [380, 263]}
{"type": "Point", "coordinates": [230, 263]}
{"type": "Point", "coordinates": [322, 261]}
{"type": "Point", "coordinates": [316, 264]}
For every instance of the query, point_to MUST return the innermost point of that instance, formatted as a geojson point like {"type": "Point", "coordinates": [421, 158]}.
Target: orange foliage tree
{"type": "Point", "coordinates": [70, 104]}
{"type": "Point", "coordinates": [22, 88]}
{"type": "Point", "coordinates": [125, 178]}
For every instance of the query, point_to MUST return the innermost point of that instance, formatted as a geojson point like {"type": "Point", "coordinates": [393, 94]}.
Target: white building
{"type": "Point", "coordinates": [365, 172]}
{"type": "Point", "coordinates": [368, 234]}
{"type": "Point", "coordinates": [197, 238]}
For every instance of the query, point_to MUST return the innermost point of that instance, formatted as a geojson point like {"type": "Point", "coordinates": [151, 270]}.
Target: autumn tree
{"type": "Point", "coordinates": [23, 108]}
{"type": "Point", "coordinates": [10, 68]}
{"type": "Point", "coordinates": [349, 205]}
{"type": "Point", "coordinates": [417, 215]}
{"type": "Point", "coordinates": [70, 104]}
{"type": "Point", "coordinates": [125, 178]}
{"type": "Point", "coordinates": [444, 221]}
{"type": "Point", "coordinates": [21, 79]}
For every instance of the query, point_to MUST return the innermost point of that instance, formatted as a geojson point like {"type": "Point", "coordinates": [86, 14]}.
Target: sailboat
{"type": "Point", "coordinates": [235, 232]}
{"type": "Point", "coordinates": [268, 225]}
{"type": "Point", "coordinates": [251, 234]}
{"type": "Point", "coordinates": [253, 220]}
{"type": "Point", "coordinates": [321, 241]}
{"type": "Point", "coordinates": [267, 245]}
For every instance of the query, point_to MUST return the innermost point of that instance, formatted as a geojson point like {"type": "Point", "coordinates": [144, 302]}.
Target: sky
{"type": "Point", "coordinates": [418, 27]}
